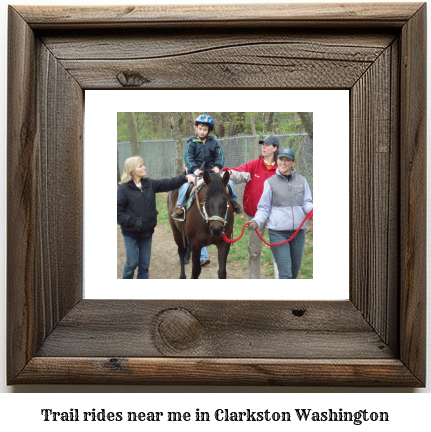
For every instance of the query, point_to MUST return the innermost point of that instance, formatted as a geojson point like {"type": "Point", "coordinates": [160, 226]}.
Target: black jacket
{"type": "Point", "coordinates": [136, 208]}
{"type": "Point", "coordinates": [198, 152]}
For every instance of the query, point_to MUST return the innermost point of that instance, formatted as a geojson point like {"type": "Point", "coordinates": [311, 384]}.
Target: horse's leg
{"type": "Point", "coordinates": [223, 251]}
{"type": "Point", "coordinates": [182, 253]}
{"type": "Point", "coordinates": [178, 236]}
{"type": "Point", "coordinates": [196, 260]}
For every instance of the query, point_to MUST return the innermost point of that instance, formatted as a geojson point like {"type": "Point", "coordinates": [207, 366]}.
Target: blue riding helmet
{"type": "Point", "coordinates": [205, 119]}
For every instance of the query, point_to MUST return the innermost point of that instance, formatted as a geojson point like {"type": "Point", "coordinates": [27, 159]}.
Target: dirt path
{"type": "Point", "coordinates": [165, 261]}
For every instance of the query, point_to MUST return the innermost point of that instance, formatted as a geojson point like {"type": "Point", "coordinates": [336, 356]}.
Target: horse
{"type": "Point", "coordinates": [205, 226]}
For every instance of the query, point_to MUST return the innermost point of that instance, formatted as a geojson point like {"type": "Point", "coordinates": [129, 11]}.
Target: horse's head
{"type": "Point", "coordinates": [216, 202]}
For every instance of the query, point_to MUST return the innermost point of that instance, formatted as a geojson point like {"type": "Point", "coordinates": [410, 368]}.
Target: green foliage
{"type": "Point", "coordinates": [306, 271]}
{"type": "Point", "coordinates": [162, 208]}
{"type": "Point", "coordinates": [238, 250]}
{"type": "Point", "coordinates": [292, 124]}
{"type": "Point", "coordinates": [122, 130]}
{"type": "Point", "coordinates": [283, 123]}
{"type": "Point", "coordinates": [157, 125]}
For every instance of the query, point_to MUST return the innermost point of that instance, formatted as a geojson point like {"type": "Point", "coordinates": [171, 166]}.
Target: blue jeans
{"type": "Point", "coordinates": [138, 253]}
{"type": "Point", "coordinates": [204, 253]}
{"type": "Point", "coordinates": [232, 186]}
{"type": "Point", "coordinates": [183, 189]}
{"type": "Point", "coordinates": [182, 194]}
{"type": "Point", "coordinates": [288, 256]}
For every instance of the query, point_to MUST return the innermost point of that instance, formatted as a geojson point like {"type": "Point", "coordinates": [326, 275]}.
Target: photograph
{"type": "Point", "coordinates": [190, 184]}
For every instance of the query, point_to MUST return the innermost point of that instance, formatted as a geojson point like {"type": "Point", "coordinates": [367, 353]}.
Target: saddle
{"type": "Point", "coordinates": [190, 194]}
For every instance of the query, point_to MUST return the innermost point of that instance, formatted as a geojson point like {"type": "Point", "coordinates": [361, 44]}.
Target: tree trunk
{"type": "Point", "coordinates": [118, 168]}
{"type": "Point", "coordinates": [253, 124]}
{"type": "Point", "coordinates": [190, 124]}
{"type": "Point", "coordinates": [176, 121]}
{"type": "Point", "coordinates": [267, 120]}
{"type": "Point", "coordinates": [307, 121]}
{"type": "Point", "coordinates": [306, 149]}
{"type": "Point", "coordinates": [229, 123]}
{"type": "Point", "coordinates": [219, 128]}
{"type": "Point", "coordinates": [132, 133]}
{"type": "Point", "coordinates": [237, 123]}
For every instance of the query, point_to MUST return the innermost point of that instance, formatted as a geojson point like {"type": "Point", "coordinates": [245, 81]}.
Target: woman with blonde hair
{"type": "Point", "coordinates": [137, 213]}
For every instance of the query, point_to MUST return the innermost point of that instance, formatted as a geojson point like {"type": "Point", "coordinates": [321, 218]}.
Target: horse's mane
{"type": "Point", "coordinates": [216, 186]}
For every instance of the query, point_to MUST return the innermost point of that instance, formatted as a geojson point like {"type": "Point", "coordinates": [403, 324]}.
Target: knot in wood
{"type": "Point", "coordinates": [115, 363]}
{"type": "Point", "coordinates": [131, 79]}
{"type": "Point", "coordinates": [178, 329]}
{"type": "Point", "coordinates": [298, 312]}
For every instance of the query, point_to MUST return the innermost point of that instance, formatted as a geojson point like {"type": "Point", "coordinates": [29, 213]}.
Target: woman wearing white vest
{"type": "Point", "coordinates": [285, 201]}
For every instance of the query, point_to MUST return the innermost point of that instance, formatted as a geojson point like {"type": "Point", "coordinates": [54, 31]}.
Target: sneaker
{"type": "Point", "coordinates": [237, 208]}
{"type": "Point", "coordinates": [178, 214]}
{"type": "Point", "coordinates": [205, 261]}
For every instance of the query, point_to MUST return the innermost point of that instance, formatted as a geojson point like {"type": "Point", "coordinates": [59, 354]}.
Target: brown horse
{"type": "Point", "coordinates": [205, 223]}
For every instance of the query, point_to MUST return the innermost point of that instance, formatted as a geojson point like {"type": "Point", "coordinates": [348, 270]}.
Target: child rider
{"type": "Point", "coordinates": [203, 152]}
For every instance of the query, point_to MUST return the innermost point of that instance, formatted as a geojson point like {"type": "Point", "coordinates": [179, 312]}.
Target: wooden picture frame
{"type": "Point", "coordinates": [376, 338]}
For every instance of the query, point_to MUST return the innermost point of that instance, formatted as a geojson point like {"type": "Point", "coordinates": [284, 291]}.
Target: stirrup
{"type": "Point", "coordinates": [178, 217]}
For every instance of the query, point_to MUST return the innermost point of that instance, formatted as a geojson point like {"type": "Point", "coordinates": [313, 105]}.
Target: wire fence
{"type": "Point", "coordinates": [159, 155]}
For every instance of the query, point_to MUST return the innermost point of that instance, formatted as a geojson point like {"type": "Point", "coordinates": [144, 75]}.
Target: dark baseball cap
{"type": "Point", "coordinates": [286, 152]}
{"type": "Point", "coordinates": [271, 139]}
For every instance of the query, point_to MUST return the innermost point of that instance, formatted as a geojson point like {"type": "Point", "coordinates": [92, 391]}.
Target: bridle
{"type": "Point", "coordinates": [204, 213]}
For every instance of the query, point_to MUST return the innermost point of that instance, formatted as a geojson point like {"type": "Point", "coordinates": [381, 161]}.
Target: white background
{"type": "Point", "coordinates": [330, 194]}
{"type": "Point", "coordinates": [23, 410]}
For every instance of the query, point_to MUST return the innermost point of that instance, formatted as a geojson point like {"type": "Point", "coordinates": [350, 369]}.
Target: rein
{"type": "Point", "coordinates": [308, 216]}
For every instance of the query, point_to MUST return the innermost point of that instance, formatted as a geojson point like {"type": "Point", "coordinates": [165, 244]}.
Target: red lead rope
{"type": "Point", "coordinates": [308, 216]}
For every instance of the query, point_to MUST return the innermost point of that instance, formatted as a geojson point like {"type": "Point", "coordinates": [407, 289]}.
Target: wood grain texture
{"type": "Point", "coordinates": [376, 338]}
{"type": "Point", "coordinates": [231, 329]}
{"type": "Point", "coordinates": [374, 196]}
{"type": "Point", "coordinates": [246, 59]}
{"type": "Point", "coordinates": [287, 15]}
{"type": "Point", "coordinates": [413, 193]}
{"type": "Point", "coordinates": [21, 196]}
{"type": "Point", "coordinates": [347, 45]}
{"type": "Point", "coordinates": [201, 371]}
{"type": "Point", "coordinates": [59, 182]}
{"type": "Point", "coordinates": [45, 106]}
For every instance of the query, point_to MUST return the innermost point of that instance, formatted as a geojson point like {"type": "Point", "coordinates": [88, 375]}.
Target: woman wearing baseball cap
{"type": "Point", "coordinates": [285, 201]}
{"type": "Point", "coordinates": [254, 173]}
